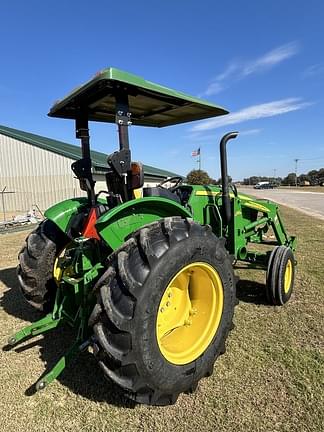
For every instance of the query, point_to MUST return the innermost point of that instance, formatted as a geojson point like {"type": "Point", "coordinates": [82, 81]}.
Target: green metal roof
{"type": "Point", "coordinates": [150, 104]}
{"type": "Point", "coordinates": [99, 160]}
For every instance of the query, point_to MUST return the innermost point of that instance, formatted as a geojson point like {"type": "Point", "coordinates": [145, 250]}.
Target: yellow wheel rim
{"type": "Point", "coordinates": [189, 313]}
{"type": "Point", "coordinates": [288, 276]}
{"type": "Point", "coordinates": [57, 271]}
{"type": "Point", "coordinates": [58, 268]}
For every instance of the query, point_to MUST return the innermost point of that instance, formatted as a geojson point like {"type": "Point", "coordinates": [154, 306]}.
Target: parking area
{"type": "Point", "coordinates": [311, 203]}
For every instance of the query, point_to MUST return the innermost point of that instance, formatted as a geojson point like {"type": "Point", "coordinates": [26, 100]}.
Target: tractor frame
{"type": "Point", "coordinates": [98, 226]}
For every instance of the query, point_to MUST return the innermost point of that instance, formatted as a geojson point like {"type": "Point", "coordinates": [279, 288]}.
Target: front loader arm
{"type": "Point", "coordinates": [280, 233]}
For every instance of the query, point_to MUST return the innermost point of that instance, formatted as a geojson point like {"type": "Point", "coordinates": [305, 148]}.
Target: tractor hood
{"type": "Point", "coordinates": [150, 104]}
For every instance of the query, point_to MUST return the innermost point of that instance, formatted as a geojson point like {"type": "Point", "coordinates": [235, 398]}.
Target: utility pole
{"type": "Point", "coordinates": [274, 173]}
{"type": "Point", "coordinates": [296, 162]}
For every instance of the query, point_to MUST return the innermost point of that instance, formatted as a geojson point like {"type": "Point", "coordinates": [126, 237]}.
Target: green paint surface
{"type": "Point", "coordinates": [151, 104]}
{"type": "Point", "coordinates": [115, 225]}
{"type": "Point", "coordinates": [62, 212]}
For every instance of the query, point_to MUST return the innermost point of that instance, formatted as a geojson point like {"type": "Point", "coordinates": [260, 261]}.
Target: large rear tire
{"type": "Point", "coordinates": [36, 264]}
{"type": "Point", "coordinates": [164, 310]}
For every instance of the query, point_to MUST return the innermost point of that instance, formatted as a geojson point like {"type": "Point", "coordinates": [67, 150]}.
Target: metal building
{"type": "Point", "coordinates": [35, 170]}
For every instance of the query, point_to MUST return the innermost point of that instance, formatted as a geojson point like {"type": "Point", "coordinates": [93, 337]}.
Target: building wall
{"type": "Point", "coordinates": [100, 182]}
{"type": "Point", "coordinates": [39, 177]}
{"type": "Point", "coordinates": [36, 176]}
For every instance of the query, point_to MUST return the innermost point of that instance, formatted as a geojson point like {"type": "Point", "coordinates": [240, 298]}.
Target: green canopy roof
{"type": "Point", "coordinates": [150, 104]}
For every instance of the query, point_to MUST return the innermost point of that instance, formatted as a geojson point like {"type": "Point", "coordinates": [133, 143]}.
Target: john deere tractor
{"type": "Point", "coordinates": [148, 282]}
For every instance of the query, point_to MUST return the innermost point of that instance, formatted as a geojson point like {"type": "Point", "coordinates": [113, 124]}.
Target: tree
{"type": "Point", "coordinates": [303, 178]}
{"type": "Point", "coordinates": [290, 180]}
{"type": "Point", "coordinates": [213, 181]}
{"type": "Point", "coordinates": [253, 180]}
{"type": "Point", "coordinates": [219, 181]}
{"type": "Point", "coordinates": [321, 172]}
{"type": "Point", "coordinates": [198, 177]}
{"type": "Point", "coordinates": [321, 177]}
{"type": "Point", "coordinates": [313, 177]}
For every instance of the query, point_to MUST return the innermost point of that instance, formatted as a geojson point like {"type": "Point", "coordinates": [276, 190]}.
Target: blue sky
{"type": "Point", "coordinates": [263, 61]}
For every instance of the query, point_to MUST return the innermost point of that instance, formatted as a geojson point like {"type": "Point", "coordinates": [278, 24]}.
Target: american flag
{"type": "Point", "coordinates": [195, 152]}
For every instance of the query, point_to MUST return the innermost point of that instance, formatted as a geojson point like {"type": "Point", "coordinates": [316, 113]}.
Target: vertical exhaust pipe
{"type": "Point", "coordinates": [226, 201]}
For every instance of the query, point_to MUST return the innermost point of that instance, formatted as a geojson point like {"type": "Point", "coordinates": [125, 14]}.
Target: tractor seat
{"type": "Point", "coordinates": [161, 192]}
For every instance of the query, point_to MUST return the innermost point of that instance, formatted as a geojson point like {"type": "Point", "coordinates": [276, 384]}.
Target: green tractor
{"type": "Point", "coordinates": [147, 282]}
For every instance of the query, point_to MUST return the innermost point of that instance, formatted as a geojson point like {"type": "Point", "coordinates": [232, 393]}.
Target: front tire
{"type": "Point", "coordinates": [152, 356]}
{"type": "Point", "coordinates": [280, 275]}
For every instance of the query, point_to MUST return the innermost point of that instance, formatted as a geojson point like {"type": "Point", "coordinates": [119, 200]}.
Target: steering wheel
{"type": "Point", "coordinates": [176, 179]}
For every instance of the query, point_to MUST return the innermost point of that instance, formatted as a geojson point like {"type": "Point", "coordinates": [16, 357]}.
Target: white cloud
{"type": "Point", "coordinates": [231, 68]}
{"type": "Point", "coordinates": [213, 88]}
{"type": "Point", "coordinates": [315, 69]}
{"type": "Point", "coordinates": [253, 112]}
{"type": "Point", "coordinates": [238, 70]}
{"type": "Point", "coordinates": [270, 59]}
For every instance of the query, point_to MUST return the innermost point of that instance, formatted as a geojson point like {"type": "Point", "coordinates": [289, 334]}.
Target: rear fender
{"type": "Point", "coordinates": [115, 225]}
{"type": "Point", "coordinates": [64, 212]}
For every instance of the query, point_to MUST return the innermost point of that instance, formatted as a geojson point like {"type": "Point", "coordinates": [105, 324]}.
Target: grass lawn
{"type": "Point", "coordinates": [270, 379]}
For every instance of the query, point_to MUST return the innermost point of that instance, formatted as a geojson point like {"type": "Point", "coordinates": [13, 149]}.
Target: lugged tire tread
{"type": "Point", "coordinates": [269, 291]}
{"type": "Point", "coordinates": [275, 274]}
{"type": "Point", "coordinates": [149, 243]}
{"type": "Point", "coordinates": [35, 268]}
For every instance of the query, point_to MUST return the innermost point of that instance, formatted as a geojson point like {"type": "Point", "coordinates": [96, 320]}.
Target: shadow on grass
{"type": "Point", "coordinates": [84, 376]}
{"type": "Point", "coordinates": [251, 292]}
{"type": "Point", "coordinates": [12, 301]}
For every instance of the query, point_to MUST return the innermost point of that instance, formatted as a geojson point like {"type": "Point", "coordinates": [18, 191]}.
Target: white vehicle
{"type": "Point", "coordinates": [263, 185]}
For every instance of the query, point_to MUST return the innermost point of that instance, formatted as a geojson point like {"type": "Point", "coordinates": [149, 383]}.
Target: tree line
{"type": "Point", "coordinates": [313, 178]}
{"type": "Point", "coordinates": [253, 180]}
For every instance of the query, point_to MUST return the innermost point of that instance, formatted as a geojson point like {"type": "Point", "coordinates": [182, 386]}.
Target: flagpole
{"type": "Point", "coordinates": [197, 154]}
